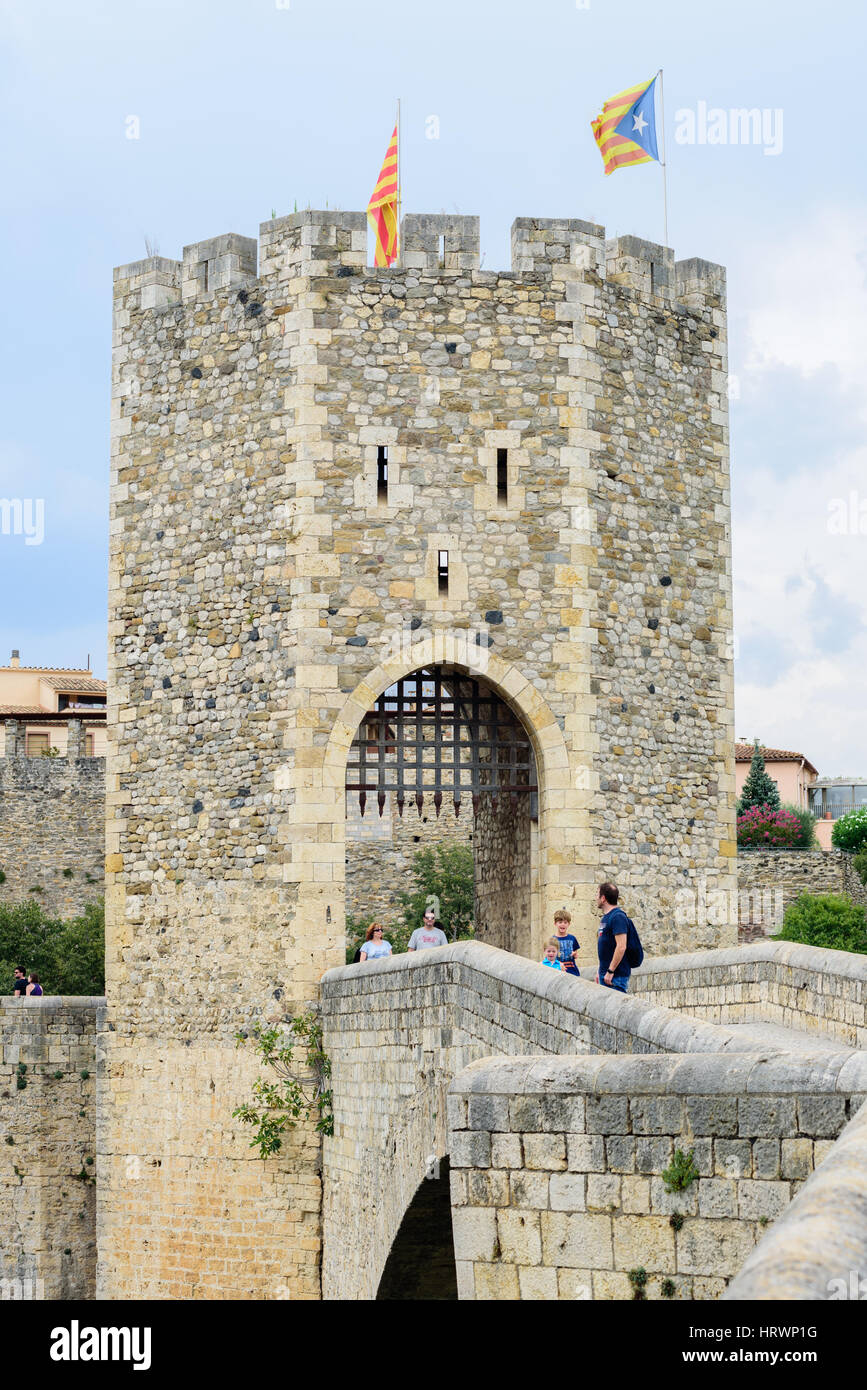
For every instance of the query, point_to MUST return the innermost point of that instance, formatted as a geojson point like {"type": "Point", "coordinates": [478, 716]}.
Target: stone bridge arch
{"type": "Point", "coordinates": [563, 798]}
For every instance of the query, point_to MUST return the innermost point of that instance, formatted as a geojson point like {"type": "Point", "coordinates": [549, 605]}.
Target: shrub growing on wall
{"type": "Point", "coordinates": [765, 828]}
{"type": "Point", "coordinates": [826, 919]}
{"type": "Point", "coordinates": [859, 864]}
{"type": "Point", "coordinates": [850, 831]}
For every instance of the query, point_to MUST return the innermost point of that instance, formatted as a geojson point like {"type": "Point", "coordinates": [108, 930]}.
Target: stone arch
{"type": "Point", "coordinates": [558, 795]}
{"type": "Point", "coordinates": [421, 1262]}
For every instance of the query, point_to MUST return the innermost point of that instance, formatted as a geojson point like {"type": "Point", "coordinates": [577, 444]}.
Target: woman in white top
{"type": "Point", "coordinates": [374, 946]}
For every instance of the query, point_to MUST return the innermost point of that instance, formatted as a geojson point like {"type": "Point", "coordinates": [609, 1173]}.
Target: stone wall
{"type": "Point", "coordinates": [381, 850]}
{"type": "Point", "coordinates": [48, 1147]}
{"type": "Point", "coordinates": [818, 1248]}
{"type": "Point", "coordinates": [768, 880]}
{"type": "Point", "coordinates": [504, 871]}
{"type": "Point", "coordinates": [262, 594]}
{"type": "Point", "coordinates": [557, 1186]}
{"type": "Point", "coordinates": [52, 831]}
{"type": "Point", "coordinates": [398, 1031]}
{"type": "Point", "coordinates": [780, 982]}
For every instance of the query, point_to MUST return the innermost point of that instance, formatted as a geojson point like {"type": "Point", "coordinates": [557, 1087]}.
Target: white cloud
{"type": "Point", "coordinates": [809, 297]}
{"type": "Point", "coordinates": [800, 592]}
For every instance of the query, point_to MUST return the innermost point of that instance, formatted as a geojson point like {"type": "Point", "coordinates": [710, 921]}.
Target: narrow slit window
{"type": "Point", "coordinates": [654, 275]}
{"type": "Point", "coordinates": [441, 251]}
{"type": "Point", "coordinates": [382, 473]}
{"type": "Point", "coordinates": [503, 477]}
{"type": "Point", "coordinates": [205, 275]}
{"type": "Point", "coordinates": [443, 571]}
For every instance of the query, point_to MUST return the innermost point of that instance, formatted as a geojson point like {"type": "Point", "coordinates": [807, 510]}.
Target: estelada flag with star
{"type": "Point", "coordinates": [382, 208]}
{"type": "Point", "coordinates": [626, 129]}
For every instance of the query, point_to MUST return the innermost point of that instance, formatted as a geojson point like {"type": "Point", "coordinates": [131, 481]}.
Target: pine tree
{"type": "Point", "coordinates": [759, 788]}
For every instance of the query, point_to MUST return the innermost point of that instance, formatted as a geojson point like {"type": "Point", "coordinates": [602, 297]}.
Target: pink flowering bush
{"type": "Point", "coordinates": [763, 828]}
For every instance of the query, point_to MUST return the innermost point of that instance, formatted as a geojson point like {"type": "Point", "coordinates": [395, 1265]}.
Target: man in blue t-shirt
{"type": "Point", "coordinates": [611, 938]}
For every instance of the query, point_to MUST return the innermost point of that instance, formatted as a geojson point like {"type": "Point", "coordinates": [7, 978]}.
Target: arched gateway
{"type": "Point", "coordinates": [327, 478]}
{"type": "Point", "coordinates": [462, 727]}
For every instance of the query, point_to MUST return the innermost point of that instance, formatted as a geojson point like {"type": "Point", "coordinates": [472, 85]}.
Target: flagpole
{"type": "Point", "coordinates": [397, 257]}
{"type": "Point", "coordinates": [663, 161]}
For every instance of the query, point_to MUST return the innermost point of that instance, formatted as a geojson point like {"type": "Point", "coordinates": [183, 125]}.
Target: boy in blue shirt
{"type": "Point", "coordinates": [611, 939]}
{"type": "Point", "coordinates": [567, 944]}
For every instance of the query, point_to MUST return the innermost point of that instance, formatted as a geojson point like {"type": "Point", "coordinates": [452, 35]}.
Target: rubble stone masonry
{"type": "Point", "coordinates": [263, 592]}
{"type": "Point", "coordinates": [47, 1147]}
{"type": "Point", "coordinates": [52, 830]}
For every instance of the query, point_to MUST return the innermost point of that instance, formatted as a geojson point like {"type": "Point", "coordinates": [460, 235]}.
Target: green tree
{"type": "Point", "coordinates": [68, 956]}
{"type": "Point", "coordinates": [759, 789]}
{"type": "Point", "coordinates": [444, 877]}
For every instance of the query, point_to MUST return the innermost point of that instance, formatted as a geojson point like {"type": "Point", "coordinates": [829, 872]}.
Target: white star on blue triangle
{"type": "Point", "coordinates": [639, 122]}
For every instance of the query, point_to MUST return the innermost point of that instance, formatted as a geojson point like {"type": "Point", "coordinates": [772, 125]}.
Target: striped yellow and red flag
{"type": "Point", "coordinates": [630, 113]}
{"type": "Point", "coordinates": [382, 208]}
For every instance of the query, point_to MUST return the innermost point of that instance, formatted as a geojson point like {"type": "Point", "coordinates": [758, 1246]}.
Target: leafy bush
{"type": "Point", "coordinates": [807, 821]}
{"type": "Point", "coordinates": [859, 863]}
{"type": "Point", "coordinates": [765, 828]}
{"type": "Point", "coordinates": [825, 920]}
{"type": "Point", "coordinates": [68, 956]}
{"type": "Point", "coordinates": [850, 831]}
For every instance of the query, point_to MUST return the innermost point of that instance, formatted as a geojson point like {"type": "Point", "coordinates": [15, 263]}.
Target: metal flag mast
{"type": "Point", "coordinates": [397, 235]}
{"type": "Point", "coordinates": [662, 161]}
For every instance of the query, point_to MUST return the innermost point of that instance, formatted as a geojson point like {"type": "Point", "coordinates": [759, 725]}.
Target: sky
{"type": "Point", "coordinates": [180, 121]}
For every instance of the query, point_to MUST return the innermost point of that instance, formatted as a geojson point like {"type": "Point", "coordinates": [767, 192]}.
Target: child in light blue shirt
{"type": "Point", "coordinates": [552, 952]}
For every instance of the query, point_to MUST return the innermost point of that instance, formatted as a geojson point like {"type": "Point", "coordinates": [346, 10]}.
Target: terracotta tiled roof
{"type": "Point", "coordinates": [48, 670]}
{"type": "Point", "coordinates": [744, 754]}
{"type": "Point", "coordinates": [57, 716]}
{"type": "Point", "coordinates": [80, 683]}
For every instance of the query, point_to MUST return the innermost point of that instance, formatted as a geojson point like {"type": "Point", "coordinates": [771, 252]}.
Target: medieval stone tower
{"type": "Point", "coordinates": [325, 480]}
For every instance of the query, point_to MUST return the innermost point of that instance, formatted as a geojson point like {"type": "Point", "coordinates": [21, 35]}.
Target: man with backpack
{"type": "Point", "coordinates": [617, 942]}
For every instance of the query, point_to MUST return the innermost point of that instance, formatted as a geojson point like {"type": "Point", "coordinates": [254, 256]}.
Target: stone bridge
{"type": "Point", "coordinates": [501, 1130]}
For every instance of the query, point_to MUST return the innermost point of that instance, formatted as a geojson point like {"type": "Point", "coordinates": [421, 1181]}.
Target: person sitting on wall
{"type": "Point", "coordinates": [611, 939]}
{"type": "Point", "coordinates": [374, 945]}
{"type": "Point", "coordinates": [19, 984]}
{"type": "Point", "coordinates": [427, 935]}
{"type": "Point", "coordinates": [33, 985]}
{"type": "Point", "coordinates": [552, 953]}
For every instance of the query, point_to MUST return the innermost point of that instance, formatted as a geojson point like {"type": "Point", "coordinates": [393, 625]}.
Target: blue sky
{"type": "Point", "coordinates": [248, 105]}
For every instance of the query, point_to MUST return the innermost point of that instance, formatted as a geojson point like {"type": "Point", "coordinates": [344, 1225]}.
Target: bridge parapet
{"type": "Point", "coordinates": [557, 1167]}
{"type": "Point", "coordinates": [400, 1030]}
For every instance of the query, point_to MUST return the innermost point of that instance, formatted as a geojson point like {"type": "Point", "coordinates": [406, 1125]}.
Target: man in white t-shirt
{"type": "Point", "coordinates": [427, 935]}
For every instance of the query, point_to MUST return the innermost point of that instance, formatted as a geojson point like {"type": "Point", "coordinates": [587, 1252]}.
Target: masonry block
{"type": "Point", "coordinates": [439, 242]}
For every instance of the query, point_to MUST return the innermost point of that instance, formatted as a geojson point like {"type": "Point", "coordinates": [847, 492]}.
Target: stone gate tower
{"type": "Point", "coordinates": [324, 478]}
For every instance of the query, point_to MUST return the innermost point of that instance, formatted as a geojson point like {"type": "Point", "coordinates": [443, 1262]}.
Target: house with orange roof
{"type": "Point", "coordinates": [37, 704]}
{"type": "Point", "coordinates": [793, 773]}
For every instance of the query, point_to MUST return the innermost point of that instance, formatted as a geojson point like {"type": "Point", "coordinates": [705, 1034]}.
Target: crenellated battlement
{"type": "Point", "coordinates": [315, 244]}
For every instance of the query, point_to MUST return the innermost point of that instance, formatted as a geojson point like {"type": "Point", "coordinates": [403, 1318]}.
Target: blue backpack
{"type": "Point", "coordinates": [634, 950]}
